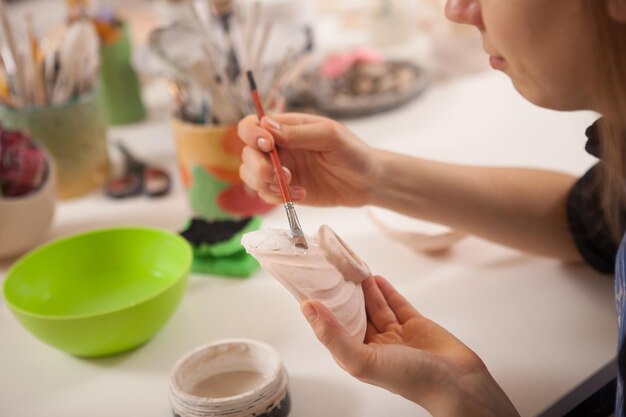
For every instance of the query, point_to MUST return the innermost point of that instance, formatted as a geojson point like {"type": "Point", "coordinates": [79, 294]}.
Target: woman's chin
{"type": "Point", "coordinates": [541, 97]}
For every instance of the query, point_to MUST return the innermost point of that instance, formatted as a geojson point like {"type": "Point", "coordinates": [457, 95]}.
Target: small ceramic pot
{"type": "Point", "coordinates": [234, 378]}
{"type": "Point", "coordinates": [25, 220]}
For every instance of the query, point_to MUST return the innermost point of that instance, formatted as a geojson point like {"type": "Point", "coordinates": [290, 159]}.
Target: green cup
{"type": "Point", "coordinates": [75, 134]}
{"type": "Point", "coordinates": [120, 91]}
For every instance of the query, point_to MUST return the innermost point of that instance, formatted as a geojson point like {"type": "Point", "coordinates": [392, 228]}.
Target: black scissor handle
{"type": "Point", "coordinates": [156, 182]}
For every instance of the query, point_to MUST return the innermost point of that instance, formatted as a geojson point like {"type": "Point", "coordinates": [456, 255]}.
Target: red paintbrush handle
{"type": "Point", "coordinates": [278, 167]}
{"type": "Point", "coordinates": [280, 175]}
{"type": "Point", "coordinates": [256, 99]}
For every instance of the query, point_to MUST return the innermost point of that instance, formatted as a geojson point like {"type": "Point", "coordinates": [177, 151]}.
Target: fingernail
{"type": "Point", "coordinates": [273, 123]}
{"type": "Point", "coordinates": [273, 188]}
{"type": "Point", "coordinates": [286, 171]}
{"type": "Point", "coordinates": [310, 313]}
{"type": "Point", "coordinates": [297, 193]}
{"type": "Point", "coordinates": [263, 144]}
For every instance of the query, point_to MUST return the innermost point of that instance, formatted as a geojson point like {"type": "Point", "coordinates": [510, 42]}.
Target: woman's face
{"type": "Point", "coordinates": [544, 46]}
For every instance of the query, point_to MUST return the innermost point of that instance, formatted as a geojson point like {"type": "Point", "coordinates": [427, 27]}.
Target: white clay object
{"type": "Point", "coordinates": [417, 235]}
{"type": "Point", "coordinates": [328, 272]}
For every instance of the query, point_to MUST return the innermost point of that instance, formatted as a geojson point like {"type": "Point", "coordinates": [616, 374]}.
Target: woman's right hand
{"type": "Point", "coordinates": [327, 165]}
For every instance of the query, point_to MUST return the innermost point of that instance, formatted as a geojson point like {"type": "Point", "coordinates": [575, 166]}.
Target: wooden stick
{"type": "Point", "coordinates": [20, 87]}
{"type": "Point", "coordinates": [260, 52]}
{"type": "Point", "coordinates": [6, 95]}
{"type": "Point", "coordinates": [36, 61]}
{"type": "Point", "coordinates": [250, 31]}
{"type": "Point", "coordinates": [286, 78]}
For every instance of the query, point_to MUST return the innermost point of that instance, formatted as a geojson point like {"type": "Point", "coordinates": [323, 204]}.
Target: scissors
{"type": "Point", "coordinates": [138, 178]}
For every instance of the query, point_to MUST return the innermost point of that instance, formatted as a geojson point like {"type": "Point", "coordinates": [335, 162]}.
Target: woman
{"type": "Point", "coordinates": [559, 54]}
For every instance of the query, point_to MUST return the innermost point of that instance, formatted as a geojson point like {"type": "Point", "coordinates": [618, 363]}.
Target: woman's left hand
{"type": "Point", "coordinates": [410, 355]}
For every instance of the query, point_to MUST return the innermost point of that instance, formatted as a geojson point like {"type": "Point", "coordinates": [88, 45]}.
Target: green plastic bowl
{"type": "Point", "coordinates": [102, 292]}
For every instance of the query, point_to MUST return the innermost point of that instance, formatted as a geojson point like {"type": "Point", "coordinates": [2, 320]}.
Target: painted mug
{"type": "Point", "coordinates": [208, 158]}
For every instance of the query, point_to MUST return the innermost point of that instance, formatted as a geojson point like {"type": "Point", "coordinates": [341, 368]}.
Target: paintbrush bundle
{"type": "Point", "coordinates": [35, 74]}
{"type": "Point", "coordinates": [206, 58]}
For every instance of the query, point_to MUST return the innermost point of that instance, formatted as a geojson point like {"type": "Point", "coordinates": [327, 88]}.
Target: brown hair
{"type": "Point", "coordinates": [609, 95]}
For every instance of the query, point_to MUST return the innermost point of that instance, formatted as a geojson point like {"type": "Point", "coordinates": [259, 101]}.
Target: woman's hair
{"type": "Point", "coordinates": [609, 95]}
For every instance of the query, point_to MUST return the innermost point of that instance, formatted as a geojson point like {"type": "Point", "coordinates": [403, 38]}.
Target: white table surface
{"type": "Point", "coordinates": [541, 327]}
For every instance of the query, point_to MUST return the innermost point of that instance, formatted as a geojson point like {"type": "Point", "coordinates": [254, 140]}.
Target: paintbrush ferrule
{"type": "Point", "coordinates": [294, 225]}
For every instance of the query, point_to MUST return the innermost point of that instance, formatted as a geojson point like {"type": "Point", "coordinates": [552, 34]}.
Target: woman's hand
{"type": "Point", "coordinates": [410, 355]}
{"type": "Point", "coordinates": [327, 165]}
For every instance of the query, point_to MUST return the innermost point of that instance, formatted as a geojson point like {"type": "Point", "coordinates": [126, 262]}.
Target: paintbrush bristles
{"type": "Point", "coordinates": [300, 242]}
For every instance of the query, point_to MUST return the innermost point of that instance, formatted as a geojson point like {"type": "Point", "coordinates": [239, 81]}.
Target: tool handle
{"type": "Point", "coordinates": [280, 175]}
{"type": "Point", "coordinates": [278, 167]}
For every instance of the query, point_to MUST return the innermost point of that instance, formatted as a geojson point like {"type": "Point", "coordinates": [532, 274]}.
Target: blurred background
{"type": "Point", "coordinates": [79, 78]}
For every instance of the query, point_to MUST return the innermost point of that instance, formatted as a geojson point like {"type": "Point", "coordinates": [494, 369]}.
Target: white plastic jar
{"type": "Point", "coordinates": [234, 378]}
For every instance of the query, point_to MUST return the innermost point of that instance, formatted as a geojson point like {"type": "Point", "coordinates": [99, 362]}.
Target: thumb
{"type": "Point", "coordinates": [347, 351]}
{"type": "Point", "coordinates": [318, 136]}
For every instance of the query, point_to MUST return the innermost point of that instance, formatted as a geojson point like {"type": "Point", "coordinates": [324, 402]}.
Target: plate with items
{"type": "Point", "coordinates": [358, 84]}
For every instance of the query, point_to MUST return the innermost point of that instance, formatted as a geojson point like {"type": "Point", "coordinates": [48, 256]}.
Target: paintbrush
{"type": "Point", "coordinates": [257, 61]}
{"type": "Point", "coordinates": [223, 10]}
{"type": "Point", "coordinates": [35, 56]}
{"type": "Point", "coordinates": [79, 57]}
{"type": "Point", "coordinates": [294, 224]}
{"type": "Point", "coordinates": [250, 30]}
{"type": "Point", "coordinates": [5, 87]}
{"type": "Point", "coordinates": [290, 67]}
{"type": "Point", "coordinates": [20, 85]}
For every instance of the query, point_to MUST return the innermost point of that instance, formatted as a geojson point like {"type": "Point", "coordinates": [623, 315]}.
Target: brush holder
{"type": "Point", "coordinates": [208, 158]}
{"type": "Point", "coordinates": [75, 134]}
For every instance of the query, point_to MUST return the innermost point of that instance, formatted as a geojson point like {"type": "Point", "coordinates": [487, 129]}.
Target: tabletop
{"type": "Point", "coordinates": [541, 327]}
